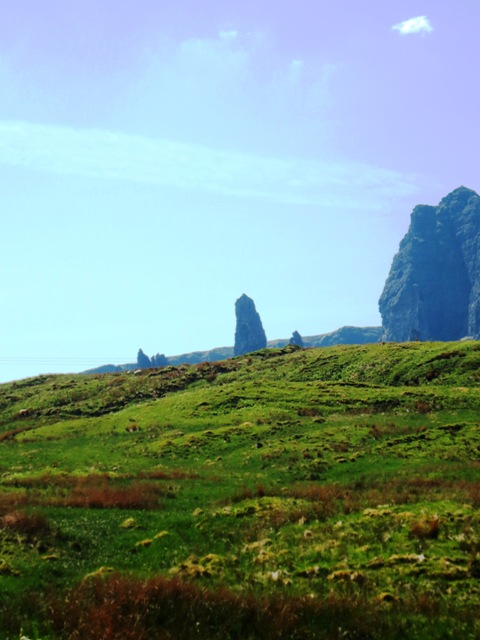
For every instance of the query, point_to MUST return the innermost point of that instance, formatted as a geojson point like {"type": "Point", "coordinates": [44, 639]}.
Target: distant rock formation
{"type": "Point", "coordinates": [144, 362]}
{"type": "Point", "coordinates": [159, 360]}
{"type": "Point", "coordinates": [296, 339]}
{"type": "Point", "coordinates": [249, 333]}
{"type": "Point", "coordinates": [344, 335]}
{"type": "Point", "coordinates": [433, 290]}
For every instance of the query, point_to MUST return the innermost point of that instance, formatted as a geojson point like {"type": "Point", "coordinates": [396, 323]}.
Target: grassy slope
{"type": "Point", "coordinates": [342, 482]}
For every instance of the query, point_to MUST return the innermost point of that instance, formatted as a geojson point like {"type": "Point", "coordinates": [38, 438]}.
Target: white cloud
{"type": "Point", "coordinates": [420, 24]}
{"type": "Point", "coordinates": [228, 34]}
{"type": "Point", "coordinates": [108, 155]}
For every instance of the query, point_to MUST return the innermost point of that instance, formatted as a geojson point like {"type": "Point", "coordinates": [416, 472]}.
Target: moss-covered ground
{"type": "Point", "coordinates": [318, 493]}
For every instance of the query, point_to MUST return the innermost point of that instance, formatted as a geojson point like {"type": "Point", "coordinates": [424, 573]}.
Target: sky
{"type": "Point", "coordinates": [160, 159]}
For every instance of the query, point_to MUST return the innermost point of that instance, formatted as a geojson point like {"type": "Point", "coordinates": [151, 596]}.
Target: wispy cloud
{"type": "Point", "coordinates": [228, 34]}
{"type": "Point", "coordinates": [235, 88]}
{"type": "Point", "coordinates": [108, 155]}
{"type": "Point", "coordinates": [420, 24]}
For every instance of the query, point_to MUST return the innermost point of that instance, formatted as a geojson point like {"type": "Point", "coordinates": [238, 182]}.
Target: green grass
{"type": "Point", "coordinates": [335, 491]}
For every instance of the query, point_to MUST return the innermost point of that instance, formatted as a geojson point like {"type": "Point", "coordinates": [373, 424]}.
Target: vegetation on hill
{"type": "Point", "coordinates": [287, 493]}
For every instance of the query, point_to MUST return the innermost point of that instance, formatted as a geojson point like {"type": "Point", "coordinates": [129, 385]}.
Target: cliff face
{"type": "Point", "coordinates": [249, 333]}
{"type": "Point", "coordinates": [433, 289]}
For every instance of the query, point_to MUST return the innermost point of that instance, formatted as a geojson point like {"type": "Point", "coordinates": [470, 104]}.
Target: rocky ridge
{"type": "Point", "coordinates": [344, 335]}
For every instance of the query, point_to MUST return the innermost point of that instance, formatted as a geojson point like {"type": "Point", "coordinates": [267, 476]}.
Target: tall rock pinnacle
{"type": "Point", "coordinates": [433, 290]}
{"type": "Point", "coordinates": [249, 333]}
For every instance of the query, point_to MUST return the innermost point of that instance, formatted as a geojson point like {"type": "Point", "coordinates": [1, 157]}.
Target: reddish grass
{"type": "Point", "coordinates": [122, 608]}
{"type": "Point", "coordinates": [309, 412]}
{"type": "Point", "coordinates": [210, 377]}
{"type": "Point", "coordinates": [14, 432]}
{"type": "Point", "coordinates": [100, 491]}
{"type": "Point", "coordinates": [246, 493]}
{"type": "Point", "coordinates": [327, 500]}
{"type": "Point", "coordinates": [471, 490]}
{"type": "Point", "coordinates": [125, 608]}
{"type": "Point", "coordinates": [172, 474]}
{"type": "Point", "coordinates": [65, 480]}
{"type": "Point", "coordinates": [95, 491]}
{"type": "Point", "coordinates": [12, 500]}
{"type": "Point", "coordinates": [29, 524]}
{"type": "Point", "coordinates": [422, 529]}
{"type": "Point", "coordinates": [138, 495]}
{"type": "Point", "coordinates": [320, 493]}
{"type": "Point", "coordinates": [423, 407]}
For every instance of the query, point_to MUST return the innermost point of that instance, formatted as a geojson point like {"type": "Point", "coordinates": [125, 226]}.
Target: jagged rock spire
{"type": "Point", "coordinates": [249, 332]}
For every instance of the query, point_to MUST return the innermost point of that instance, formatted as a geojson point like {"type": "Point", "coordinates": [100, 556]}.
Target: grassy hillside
{"type": "Point", "coordinates": [319, 493]}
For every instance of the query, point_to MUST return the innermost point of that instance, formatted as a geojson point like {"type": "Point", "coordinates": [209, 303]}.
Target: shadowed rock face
{"type": "Point", "coordinates": [143, 361]}
{"type": "Point", "coordinates": [296, 339]}
{"type": "Point", "coordinates": [249, 333]}
{"type": "Point", "coordinates": [433, 289]}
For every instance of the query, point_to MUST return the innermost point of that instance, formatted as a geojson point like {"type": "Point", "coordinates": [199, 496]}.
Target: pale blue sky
{"type": "Point", "coordinates": [157, 160]}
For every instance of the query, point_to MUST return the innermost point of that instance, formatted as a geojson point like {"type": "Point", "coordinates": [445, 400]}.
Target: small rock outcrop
{"type": "Point", "coordinates": [433, 290]}
{"type": "Point", "coordinates": [249, 332]}
{"type": "Point", "coordinates": [296, 339]}
{"type": "Point", "coordinates": [159, 360]}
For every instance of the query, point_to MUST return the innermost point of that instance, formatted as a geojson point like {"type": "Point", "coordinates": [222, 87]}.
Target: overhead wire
{"type": "Point", "coordinates": [61, 360]}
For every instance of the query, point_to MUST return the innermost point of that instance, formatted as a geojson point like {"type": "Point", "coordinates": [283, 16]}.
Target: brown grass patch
{"type": "Point", "coordinates": [123, 608]}
{"type": "Point", "coordinates": [14, 432]}
{"type": "Point", "coordinates": [9, 501]}
{"type": "Point", "coordinates": [245, 493]}
{"type": "Point", "coordinates": [29, 524]}
{"type": "Point", "coordinates": [172, 474]}
{"type": "Point", "coordinates": [423, 407]}
{"type": "Point", "coordinates": [472, 492]}
{"type": "Point", "coordinates": [100, 495]}
{"type": "Point", "coordinates": [94, 491]}
{"type": "Point", "coordinates": [428, 528]}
